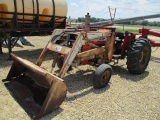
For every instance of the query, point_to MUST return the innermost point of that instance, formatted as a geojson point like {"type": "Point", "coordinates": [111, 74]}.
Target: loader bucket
{"type": "Point", "coordinates": [36, 90]}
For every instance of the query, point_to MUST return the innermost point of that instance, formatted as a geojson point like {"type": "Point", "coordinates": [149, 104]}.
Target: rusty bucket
{"type": "Point", "coordinates": [36, 90]}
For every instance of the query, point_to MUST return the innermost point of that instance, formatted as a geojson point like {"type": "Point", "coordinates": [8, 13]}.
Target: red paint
{"type": "Point", "coordinates": [85, 48]}
{"type": "Point", "coordinates": [146, 32]}
{"type": "Point", "coordinates": [128, 37]}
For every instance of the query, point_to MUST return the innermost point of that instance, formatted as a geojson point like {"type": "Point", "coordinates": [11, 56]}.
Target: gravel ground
{"type": "Point", "coordinates": [127, 97]}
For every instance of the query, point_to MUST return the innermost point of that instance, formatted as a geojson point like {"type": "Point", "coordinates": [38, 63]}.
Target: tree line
{"type": "Point", "coordinates": [93, 19]}
{"type": "Point", "coordinates": [144, 23]}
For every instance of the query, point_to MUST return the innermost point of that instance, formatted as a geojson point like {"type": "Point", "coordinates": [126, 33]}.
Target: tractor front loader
{"type": "Point", "coordinates": [38, 91]}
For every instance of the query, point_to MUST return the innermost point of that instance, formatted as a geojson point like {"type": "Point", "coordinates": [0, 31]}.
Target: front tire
{"type": "Point", "coordinates": [138, 57]}
{"type": "Point", "coordinates": [102, 76]}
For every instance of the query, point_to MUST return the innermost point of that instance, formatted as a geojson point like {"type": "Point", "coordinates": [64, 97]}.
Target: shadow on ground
{"type": "Point", "coordinates": [155, 59]}
{"type": "Point", "coordinates": [123, 73]}
{"type": "Point", "coordinates": [52, 115]}
{"type": "Point", "coordinates": [81, 81]}
{"type": "Point", "coordinates": [30, 55]}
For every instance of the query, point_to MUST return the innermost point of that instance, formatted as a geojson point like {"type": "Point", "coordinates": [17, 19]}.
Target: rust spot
{"type": "Point", "coordinates": [3, 8]}
{"type": "Point", "coordinates": [44, 12]}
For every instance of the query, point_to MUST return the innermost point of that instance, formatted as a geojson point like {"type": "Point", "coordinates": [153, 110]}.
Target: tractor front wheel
{"type": "Point", "coordinates": [102, 76]}
{"type": "Point", "coordinates": [138, 56]}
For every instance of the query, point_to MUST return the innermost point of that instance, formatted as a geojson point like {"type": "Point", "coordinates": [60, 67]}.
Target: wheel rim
{"type": "Point", "coordinates": [105, 77]}
{"type": "Point", "coordinates": [144, 56]}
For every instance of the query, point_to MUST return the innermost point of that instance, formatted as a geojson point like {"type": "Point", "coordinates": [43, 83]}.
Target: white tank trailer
{"type": "Point", "coordinates": [31, 16]}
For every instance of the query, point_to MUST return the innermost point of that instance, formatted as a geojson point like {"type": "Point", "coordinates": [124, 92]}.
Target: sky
{"type": "Point", "coordinates": [124, 8]}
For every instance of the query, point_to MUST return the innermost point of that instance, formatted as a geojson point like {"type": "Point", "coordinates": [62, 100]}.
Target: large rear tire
{"type": "Point", "coordinates": [102, 76]}
{"type": "Point", "coordinates": [138, 56]}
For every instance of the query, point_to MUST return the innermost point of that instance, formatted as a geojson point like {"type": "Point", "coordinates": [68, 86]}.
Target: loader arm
{"type": "Point", "coordinates": [69, 53]}
{"type": "Point", "coordinates": [109, 48]}
{"type": "Point", "coordinates": [105, 52]}
{"type": "Point", "coordinates": [72, 54]}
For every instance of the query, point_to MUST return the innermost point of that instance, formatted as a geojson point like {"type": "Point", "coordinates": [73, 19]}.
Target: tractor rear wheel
{"type": "Point", "coordinates": [138, 56]}
{"type": "Point", "coordinates": [102, 76]}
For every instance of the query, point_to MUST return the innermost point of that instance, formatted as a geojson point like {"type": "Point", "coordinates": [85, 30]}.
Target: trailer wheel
{"type": "Point", "coordinates": [60, 63]}
{"type": "Point", "coordinates": [138, 56]}
{"type": "Point", "coordinates": [102, 76]}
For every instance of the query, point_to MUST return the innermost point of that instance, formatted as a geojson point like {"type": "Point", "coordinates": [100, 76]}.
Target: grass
{"type": "Point", "coordinates": [74, 25]}
{"type": "Point", "coordinates": [129, 30]}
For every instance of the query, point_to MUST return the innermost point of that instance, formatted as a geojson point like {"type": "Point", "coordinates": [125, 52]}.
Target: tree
{"type": "Point", "coordinates": [145, 22]}
{"type": "Point", "coordinates": [93, 19]}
